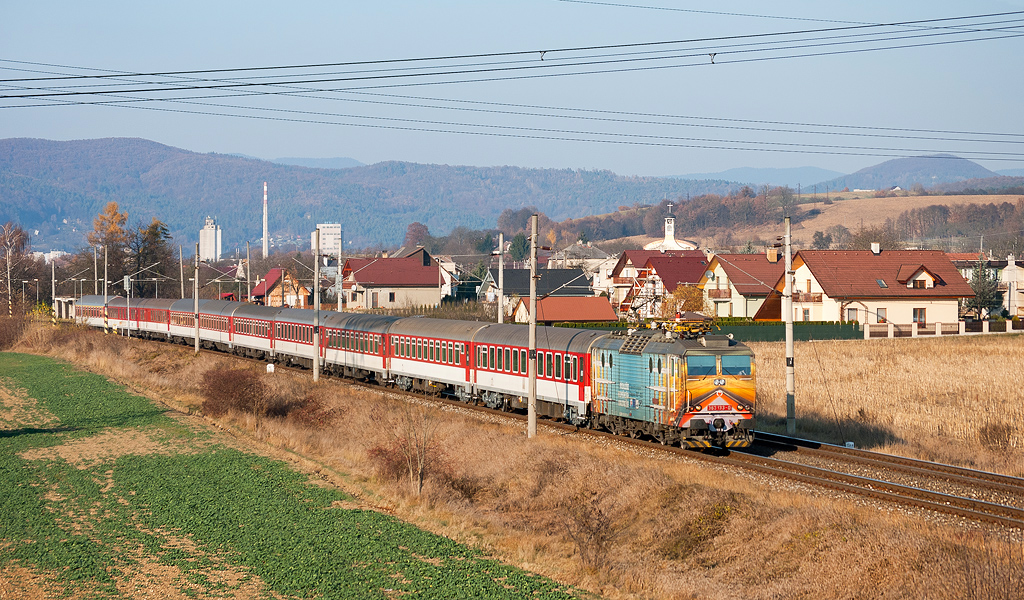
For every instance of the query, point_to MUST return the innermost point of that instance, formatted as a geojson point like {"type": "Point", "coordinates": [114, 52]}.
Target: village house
{"type": "Point", "coordinates": [660, 276]}
{"type": "Point", "coordinates": [281, 287]}
{"type": "Point", "coordinates": [872, 286]}
{"type": "Point", "coordinates": [596, 262]}
{"type": "Point", "coordinates": [736, 285]}
{"type": "Point", "coordinates": [550, 310]}
{"type": "Point", "coordinates": [629, 271]}
{"type": "Point", "coordinates": [371, 283]}
{"type": "Point", "coordinates": [1008, 275]}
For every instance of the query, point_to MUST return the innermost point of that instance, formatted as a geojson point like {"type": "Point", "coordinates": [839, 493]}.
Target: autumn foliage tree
{"type": "Point", "coordinates": [686, 298]}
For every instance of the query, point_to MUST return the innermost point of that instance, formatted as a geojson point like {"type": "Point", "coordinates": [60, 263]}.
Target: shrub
{"type": "Point", "coordinates": [313, 413]}
{"type": "Point", "coordinates": [996, 436]}
{"type": "Point", "coordinates": [11, 330]}
{"type": "Point", "coordinates": [234, 389]}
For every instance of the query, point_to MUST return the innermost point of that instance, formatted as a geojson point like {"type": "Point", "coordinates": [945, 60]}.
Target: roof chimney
{"type": "Point", "coordinates": [876, 248]}
{"type": "Point", "coordinates": [773, 255]}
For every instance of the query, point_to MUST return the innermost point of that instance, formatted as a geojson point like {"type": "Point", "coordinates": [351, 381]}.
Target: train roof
{"type": "Point", "coordinates": [93, 300]}
{"type": "Point", "coordinates": [654, 341]}
{"type": "Point", "coordinates": [154, 303]}
{"type": "Point", "coordinates": [566, 339]}
{"type": "Point", "coordinates": [255, 311]}
{"type": "Point", "coordinates": [224, 308]}
{"type": "Point", "coordinates": [357, 321]}
{"type": "Point", "coordinates": [448, 329]}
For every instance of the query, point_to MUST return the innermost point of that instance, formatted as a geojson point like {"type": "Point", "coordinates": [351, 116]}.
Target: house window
{"type": "Point", "coordinates": [391, 297]}
{"type": "Point", "coordinates": [807, 314]}
{"type": "Point", "coordinates": [919, 316]}
{"type": "Point", "coordinates": [880, 313]}
{"type": "Point", "coordinates": [808, 286]}
{"type": "Point", "coordinates": [851, 315]}
{"type": "Point", "coordinates": [919, 284]}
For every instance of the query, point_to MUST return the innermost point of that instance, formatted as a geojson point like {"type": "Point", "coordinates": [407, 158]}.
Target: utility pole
{"type": "Point", "coordinates": [316, 307]}
{"type": "Point", "coordinates": [501, 277]}
{"type": "Point", "coordinates": [95, 272]}
{"type": "Point", "coordinates": [106, 319]}
{"type": "Point", "coordinates": [195, 295]}
{"type": "Point", "coordinates": [248, 273]}
{"type": "Point", "coordinates": [787, 307]}
{"type": "Point", "coordinates": [53, 290]}
{"type": "Point", "coordinates": [531, 427]}
{"type": "Point", "coordinates": [181, 267]}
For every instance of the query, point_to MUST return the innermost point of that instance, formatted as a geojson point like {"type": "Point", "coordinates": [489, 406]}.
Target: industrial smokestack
{"type": "Point", "coordinates": [266, 239]}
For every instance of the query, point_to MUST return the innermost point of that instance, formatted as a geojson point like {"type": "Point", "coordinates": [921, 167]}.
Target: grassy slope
{"type": "Point", "coordinates": [94, 524]}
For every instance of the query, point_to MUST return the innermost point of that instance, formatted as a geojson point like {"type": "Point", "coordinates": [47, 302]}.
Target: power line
{"type": "Point", "coordinates": [490, 70]}
{"type": "Point", "coordinates": [113, 74]}
{"type": "Point", "coordinates": [556, 137]}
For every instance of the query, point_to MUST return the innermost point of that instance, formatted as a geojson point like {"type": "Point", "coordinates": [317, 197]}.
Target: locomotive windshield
{"type": "Point", "coordinates": [735, 364]}
{"type": "Point", "coordinates": [698, 365]}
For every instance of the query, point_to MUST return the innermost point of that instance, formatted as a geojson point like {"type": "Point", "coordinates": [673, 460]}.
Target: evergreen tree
{"type": "Point", "coordinates": [986, 290]}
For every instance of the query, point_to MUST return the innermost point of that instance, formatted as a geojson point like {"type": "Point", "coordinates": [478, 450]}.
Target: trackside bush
{"type": "Point", "coordinates": [234, 389]}
{"type": "Point", "coordinates": [11, 329]}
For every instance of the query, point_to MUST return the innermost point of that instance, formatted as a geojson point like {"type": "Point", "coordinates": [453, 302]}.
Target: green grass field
{"type": "Point", "coordinates": [105, 495]}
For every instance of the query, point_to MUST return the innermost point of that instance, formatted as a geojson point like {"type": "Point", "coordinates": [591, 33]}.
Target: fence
{"type": "Point", "coordinates": [893, 330]}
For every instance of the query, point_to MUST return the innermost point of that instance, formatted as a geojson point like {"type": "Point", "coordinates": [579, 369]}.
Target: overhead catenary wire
{"type": "Point", "coordinates": [93, 91]}
{"type": "Point", "coordinates": [548, 50]}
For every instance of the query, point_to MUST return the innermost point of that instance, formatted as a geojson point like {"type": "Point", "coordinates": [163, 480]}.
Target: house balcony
{"type": "Point", "coordinates": [720, 294]}
{"type": "Point", "coordinates": [806, 297]}
{"type": "Point", "coordinates": [622, 280]}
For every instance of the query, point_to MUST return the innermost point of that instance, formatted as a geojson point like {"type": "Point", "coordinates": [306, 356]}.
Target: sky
{"type": "Point", "coordinates": [544, 96]}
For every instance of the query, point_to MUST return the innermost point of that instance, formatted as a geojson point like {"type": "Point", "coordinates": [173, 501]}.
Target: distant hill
{"type": "Point", "coordinates": [929, 171]}
{"type": "Point", "coordinates": [320, 163]}
{"type": "Point", "coordinates": [1011, 172]}
{"type": "Point", "coordinates": [792, 177]}
{"type": "Point", "coordinates": [54, 189]}
{"type": "Point", "coordinates": [987, 185]}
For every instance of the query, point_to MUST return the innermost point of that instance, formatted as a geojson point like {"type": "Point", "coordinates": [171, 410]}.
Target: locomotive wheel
{"type": "Point", "coordinates": [636, 433]}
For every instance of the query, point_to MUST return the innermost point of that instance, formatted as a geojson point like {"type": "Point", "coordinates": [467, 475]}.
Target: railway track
{"type": "Point", "coordinates": [889, 483]}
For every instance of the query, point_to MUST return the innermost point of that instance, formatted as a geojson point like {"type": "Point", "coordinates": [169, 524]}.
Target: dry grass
{"type": "Point", "coordinates": [618, 523]}
{"type": "Point", "coordinates": [953, 399]}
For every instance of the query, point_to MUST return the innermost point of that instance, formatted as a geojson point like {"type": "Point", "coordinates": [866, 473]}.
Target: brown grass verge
{"type": "Point", "coordinates": [612, 520]}
{"type": "Point", "coordinates": [953, 399]}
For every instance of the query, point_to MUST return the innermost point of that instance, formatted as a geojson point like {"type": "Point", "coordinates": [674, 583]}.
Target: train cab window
{"type": "Point", "coordinates": [700, 365]}
{"type": "Point", "coordinates": [558, 366]}
{"type": "Point", "coordinates": [735, 364]}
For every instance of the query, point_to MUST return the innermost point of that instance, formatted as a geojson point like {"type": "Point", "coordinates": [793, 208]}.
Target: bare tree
{"type": "Point", "coordinates": [410, 431]}
{"type": "Point", "coordinates": [14, 245]}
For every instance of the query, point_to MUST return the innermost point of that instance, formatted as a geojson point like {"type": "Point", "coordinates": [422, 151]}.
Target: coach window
{"type": "Point", "coordinates": [558, 366]}
{"type": "Point", "coordinates": [458, 354]}
{"type": "Point", "coordinates": [568, 368]}
{"type": "Point", "coordinates": [575, 369]}
{"type": "Point", "coordinates": [515, 361]}
{"type": "Point", "coordinates": [500, 366]}
{"type": "Point", "coordinates": [490, 354]}
{"type": "Point", "coordinates": [550, 358]}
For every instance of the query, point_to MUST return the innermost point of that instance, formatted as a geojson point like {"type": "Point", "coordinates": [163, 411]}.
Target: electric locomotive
{"type": "Point", "coordinates": [675, 385]}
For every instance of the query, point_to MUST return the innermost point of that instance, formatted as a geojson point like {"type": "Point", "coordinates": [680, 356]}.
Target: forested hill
{"type": "Point", "coordinates": [57, 188]}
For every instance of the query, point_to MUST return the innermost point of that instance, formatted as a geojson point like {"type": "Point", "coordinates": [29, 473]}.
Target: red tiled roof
{"type": "Point", "coordinates": [855, 273]}
{"type": "Point", "coordinates": [638, 258]}
{"type": "Point", "coordinates": [966, 256]}
{"type": "Point", "coordinates": [751, 274]}
{"type": "Point", "coordinates": [591, 308]}
{"type": "Point", "coordinates": [678, 270]}
{"type": "Point", "coordinates": [392, 272]}
{"type": "Point", "coordinates": [268, 283]}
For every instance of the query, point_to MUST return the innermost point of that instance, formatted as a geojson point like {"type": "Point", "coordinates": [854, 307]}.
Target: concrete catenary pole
{"type": "Point", "coordinates": [316, 306]}
{"type": "Point", "coordinates": [95, 272]}
{"type": "Point", "coordinates": [195, 299]}
{"type": "Point", "coordinates": [248, 275]}
{"type": "Point", "coordinates": [501, 277]}
{"type": "Point", "coordinates": [105, 284]}
{"type": "Point", "coordinates": [53, 289]}
{"type": "Point", "coordinates": [181, 268]}
{"type": "Point", "coordinates": [266, 241]}
{"type": "Point", "coordinates": [531, 427]}
{"type": "Point", "coordinates": [787, 308]}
